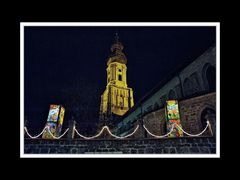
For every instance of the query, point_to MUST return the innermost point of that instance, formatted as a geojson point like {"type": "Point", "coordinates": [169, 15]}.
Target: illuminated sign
{"type": "Point", "coordinates": [54, 121]}
{"type": "Point", "coordinates": [172, 116]}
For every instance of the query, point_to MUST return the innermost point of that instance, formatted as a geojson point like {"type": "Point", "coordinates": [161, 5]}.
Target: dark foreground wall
{"type": "Point", "coordinates": [186, 145]}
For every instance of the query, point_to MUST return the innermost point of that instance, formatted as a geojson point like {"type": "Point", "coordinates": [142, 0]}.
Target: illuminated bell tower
{"type": "Point", "coordinates": [117, 98]}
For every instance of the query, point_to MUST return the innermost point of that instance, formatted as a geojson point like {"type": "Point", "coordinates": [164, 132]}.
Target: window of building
{"type": "Point", "coordinates": [209, 77]}
{"type": "Point", "coordinates": [119, 70]}
{"type": "Point", "coordinates": [120, 77]}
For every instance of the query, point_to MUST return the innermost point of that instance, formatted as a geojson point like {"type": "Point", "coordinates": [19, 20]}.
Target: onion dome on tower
{"type": "Point", "coordinates": [117, 55]}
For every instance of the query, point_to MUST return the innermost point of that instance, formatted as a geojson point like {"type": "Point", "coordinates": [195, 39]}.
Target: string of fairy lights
{"type": "Point", "coordinates": [58, 136]}
{"type": "Point", "coordinates": [156, 136]}
{"type": "Point", "coordinates": [34, 137]}
{"type": "Point", "coordinates": [194, 135]}
{"type": "Point", "coordinates": [55, 137]}
{"type": "Point", "coordinates": [108, 130]}
{"type": "Point", "coordinates": [119, 137]}
{"type": "Point", "coordinates": [92, 137]}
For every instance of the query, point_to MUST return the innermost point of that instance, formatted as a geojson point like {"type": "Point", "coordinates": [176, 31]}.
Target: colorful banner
{"type": "Point", "coordinates": [61, 117]}
{"type": "Point", "coordinates": [52, 127]}
{"type": "Point", "coordinates": [53, 113]}
{"type": "Point", "coordinates": [54, 121]}
{"type": "Point", "coordinates": [173, 116]}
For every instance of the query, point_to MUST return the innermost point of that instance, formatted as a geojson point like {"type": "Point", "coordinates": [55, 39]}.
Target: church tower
{"type": "Point", "coordinates": [117, 98]}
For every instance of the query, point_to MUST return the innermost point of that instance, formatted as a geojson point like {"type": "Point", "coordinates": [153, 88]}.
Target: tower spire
{"type": "Point", "coordinates": [116, 37]}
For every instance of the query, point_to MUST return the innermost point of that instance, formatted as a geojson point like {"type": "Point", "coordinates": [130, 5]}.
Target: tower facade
{"type": "Point", "coordinates": [117, 98]}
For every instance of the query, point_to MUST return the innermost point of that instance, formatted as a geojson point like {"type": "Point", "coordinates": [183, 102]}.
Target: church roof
{"type": "Point", "coordinates": [168, 77]}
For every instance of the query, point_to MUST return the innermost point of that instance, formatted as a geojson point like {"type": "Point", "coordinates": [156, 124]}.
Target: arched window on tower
{"type": "Point", "coordinates": [120, 77]}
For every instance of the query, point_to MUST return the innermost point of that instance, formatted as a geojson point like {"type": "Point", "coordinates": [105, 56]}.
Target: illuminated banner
{"type": "Point", "coordinates": [61, 116]}
{"type": "Point", "coordinates": [53, 113]}
{"type": "Point", "coordinates": [172, 113]}
{"type": "Point", "coordinates": [54, 121]}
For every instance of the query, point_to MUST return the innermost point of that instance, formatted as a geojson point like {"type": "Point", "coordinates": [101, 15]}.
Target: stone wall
{"type": "Point", "coordinates": [155, 122]}
{"type": "Point", "coordinates": [191, 110]}
{"type": "Point", "coordinates": [190, 114]}
{"type": "Point", "coordinates": [185, 145]}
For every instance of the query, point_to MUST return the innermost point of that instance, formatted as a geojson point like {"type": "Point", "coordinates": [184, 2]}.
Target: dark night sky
{"type": "Point", "coordinates": [56, 58]}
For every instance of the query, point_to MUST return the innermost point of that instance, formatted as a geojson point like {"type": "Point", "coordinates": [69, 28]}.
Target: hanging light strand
{"type": "Point", "coordinates": [194, 135]}
{"type": "Point", "coordinates": [156, 136]}
{"type": "Point", "coordinates": [34, 137]}
{"type": "Point", "coordinates": [92, 137]}
{"type": "Point", "coordinates": [108, 130]}
{"type": "Point", "coordinates": [122, 137]}
{"type": "Point", "coordinates": [55, 137]}
{"type": "Point", "coordinates": [118, 137]}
